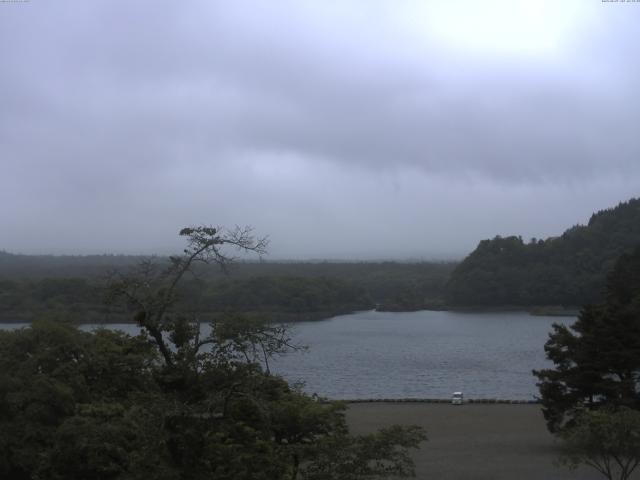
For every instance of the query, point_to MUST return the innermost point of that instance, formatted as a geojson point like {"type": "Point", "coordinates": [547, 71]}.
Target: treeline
{"type": "Point", "coordinates": [286, 298]}
{"type": "Point", "coordinates": [78, 298]}
{"type": "Point", "coordinates": [568, 270]}
{"type": "Point", "coordinates": [36, 267]}
{"type": "Point", "coordinates": [286, 295]}
{"type": "Point", "coordinates": [34, 285]}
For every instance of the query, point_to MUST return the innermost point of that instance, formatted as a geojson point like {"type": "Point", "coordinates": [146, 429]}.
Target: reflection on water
{"type": "Point", "coordinates": [415, 355]}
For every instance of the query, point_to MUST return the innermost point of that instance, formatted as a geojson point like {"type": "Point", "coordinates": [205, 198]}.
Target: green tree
{"type": "Point", "coordinates": [173, 403]}
{"type": "Point", "coordinates": [597, 359]}
{"type": "Point", "coordinates": [56, 380]}
{"type": "Point", "coordinates": [606, 440]}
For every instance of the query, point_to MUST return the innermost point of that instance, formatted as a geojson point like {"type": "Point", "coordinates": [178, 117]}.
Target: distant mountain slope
{"type": "Point", "coordinates": [565, 270]}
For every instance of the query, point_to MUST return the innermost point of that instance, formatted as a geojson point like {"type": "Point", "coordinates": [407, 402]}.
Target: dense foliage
{"type": "Point", "coordinates": [286, 295]}
{"type": "Point", "coordinates": [568, 270]}
{"type": "Point", "coordinates": [597, 359]}
{"type": "Point", "coordinates": [174, 403]}
{"type": "Point", "coordinates": [78, 298]}
{"type": "Point", "coordinates": [289, 291]}
{"type": "Point", "coordinates": [103, 405]}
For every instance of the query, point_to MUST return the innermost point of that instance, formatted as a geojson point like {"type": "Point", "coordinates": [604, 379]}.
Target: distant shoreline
{"type": "Point", "coordinates": [466, 401]}
{"type": "Point", "coordinates": [288, 317]}
{"type": "Point", "coordinates": [116, 318]}
{"type": "Point", "coordinates": [535, 310]}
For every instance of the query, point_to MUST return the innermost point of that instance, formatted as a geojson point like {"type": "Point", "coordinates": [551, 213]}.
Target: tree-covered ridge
{"type": "Point", "coordinates": [567, 270]}
{"type": "Point", "coordinates": [31, 286]}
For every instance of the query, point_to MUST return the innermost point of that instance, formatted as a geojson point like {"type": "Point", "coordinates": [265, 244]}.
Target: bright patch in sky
{"type": "Point", "coordinates": [340, 128]}
{"type": "Point", "coordinates": [499, 26]}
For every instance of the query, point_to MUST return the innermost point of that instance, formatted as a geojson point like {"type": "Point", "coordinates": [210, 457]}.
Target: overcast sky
{"type": "Point", "coordinates": [342, 129]}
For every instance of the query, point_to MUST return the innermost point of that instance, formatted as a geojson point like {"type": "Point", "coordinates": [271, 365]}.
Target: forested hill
{"type": "Point", "coordinates": [568, 270]}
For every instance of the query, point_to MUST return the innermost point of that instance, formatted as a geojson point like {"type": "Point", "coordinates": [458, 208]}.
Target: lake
{"type": "Point", "coordinates": [422, 354]}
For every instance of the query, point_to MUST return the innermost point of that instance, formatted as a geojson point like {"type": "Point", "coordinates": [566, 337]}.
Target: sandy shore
{"type": "Point", "coordinates": [474, 441]}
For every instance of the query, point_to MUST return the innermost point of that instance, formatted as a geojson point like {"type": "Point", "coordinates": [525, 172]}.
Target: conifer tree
{"type": "Point", "coordinates": [597, 359]}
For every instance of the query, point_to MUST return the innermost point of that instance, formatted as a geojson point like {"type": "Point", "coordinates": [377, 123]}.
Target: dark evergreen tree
{"type": "Point", "coordinates": [597, 359]}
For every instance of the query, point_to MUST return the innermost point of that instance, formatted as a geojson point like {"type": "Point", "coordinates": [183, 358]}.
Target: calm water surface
{"type": "Point", "coordinates": [416, 355]}
{"type": "Point", "coordinates": [421, 355]}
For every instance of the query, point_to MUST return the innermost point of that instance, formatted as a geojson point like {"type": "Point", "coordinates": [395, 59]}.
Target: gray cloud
{"type": "Point", "coordinates": [120, 122]}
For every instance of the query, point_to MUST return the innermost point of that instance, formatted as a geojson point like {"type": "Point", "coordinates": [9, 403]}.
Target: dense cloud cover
{"type": "Point", "coordinates": [342, 129]}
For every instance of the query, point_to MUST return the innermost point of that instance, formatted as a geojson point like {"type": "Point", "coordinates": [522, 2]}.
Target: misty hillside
{"type": "Point", "coordinates": [568, 270]}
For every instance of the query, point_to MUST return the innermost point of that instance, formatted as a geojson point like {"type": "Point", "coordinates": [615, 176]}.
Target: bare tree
{"type": "Point", "coordinates": [150, 290]}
